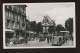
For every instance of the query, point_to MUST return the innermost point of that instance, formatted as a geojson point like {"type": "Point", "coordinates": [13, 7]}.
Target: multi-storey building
{"type": "Point", "coordinates": [15, 20]}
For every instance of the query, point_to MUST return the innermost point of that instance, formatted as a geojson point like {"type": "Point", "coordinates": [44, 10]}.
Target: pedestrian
{"type": "Point", "coordinates": [25, 39]}
{"type": "Point", "coordinates": [59, 39]}
{"type": "Point", "coordinates": [48, 39]}
{"type": "Point", "coordinates": [66, 39]}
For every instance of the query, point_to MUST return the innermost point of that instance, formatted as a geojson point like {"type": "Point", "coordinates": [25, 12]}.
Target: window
{"type": "Point", "coordinates": [15, 16]}
{"type": "Point", "coordinates": [24, 10]}
{"type": "Point", "coordinates": [7, 6]}
{"type": "Point", "coordinates": [18, 18]}
{"type": "Point", "coordinates": [12, 8]}
{"type": "Point", "coordinates": [24, 19]}
{"type": "Point", "coordinates": [17, 8]}
{"type": "Point", "coordinates": [13, 26]}
{"type": "Point", "coordinates": [9, 14]}
{"type": "Point", "coordinates": [8, 25]}
{"type": "Point", "coordinates": [21, 10]}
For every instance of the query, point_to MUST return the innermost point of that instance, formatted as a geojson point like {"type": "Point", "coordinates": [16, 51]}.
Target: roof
{"type": "Point", "coordinates": [48, 20]}
{"type": "Point", "coordinates": [57, 37]}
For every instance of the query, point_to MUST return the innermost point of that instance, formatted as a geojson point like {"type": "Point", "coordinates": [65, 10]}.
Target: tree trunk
{"type": "Point", "coordinates": [71, 36]}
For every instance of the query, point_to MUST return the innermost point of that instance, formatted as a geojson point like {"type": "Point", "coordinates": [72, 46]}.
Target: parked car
{"type": "Point", "coordinates": [58, 40]}
{"type": "Point", "coordinates": [41, 37]}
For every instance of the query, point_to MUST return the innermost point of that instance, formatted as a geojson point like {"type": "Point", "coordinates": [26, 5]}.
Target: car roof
{"type": "Point", "coordinates": [57, 37]}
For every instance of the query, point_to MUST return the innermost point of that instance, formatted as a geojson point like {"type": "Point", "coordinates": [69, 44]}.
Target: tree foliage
{"type": "Point", "coordinates": [60, 28]}
{"type": "Point", "coordinates": [69, 25]}
{"type": "Point", "coordinates": [51, 29]}
{"type": "Point", "coordinates": [33, 25]}
{"type": "Point", "coordinates": [38, 27]}
{"type": "Point", "coordinates": [28, 26]}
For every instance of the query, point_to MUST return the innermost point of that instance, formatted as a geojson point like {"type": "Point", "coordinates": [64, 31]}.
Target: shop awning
{"type": "Point", "coordinates": [29, 32]}
{"type": "Point", "coordinates": [65, 31]}
{"type": "Point", "coordinates": [9, 30]}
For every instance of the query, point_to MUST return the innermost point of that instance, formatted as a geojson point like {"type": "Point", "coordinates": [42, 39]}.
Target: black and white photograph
{"type": "Point", "coordinates": [39, 25]}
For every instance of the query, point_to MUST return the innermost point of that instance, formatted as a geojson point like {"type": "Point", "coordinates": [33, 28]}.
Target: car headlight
{"type": "Point", "coordinates": [55, 42]}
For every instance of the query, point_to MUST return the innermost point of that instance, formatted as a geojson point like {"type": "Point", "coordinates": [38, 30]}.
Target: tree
{"type": "Point", "coordinates": [33, 24]}
{"type": "Point", "coordinates": [59, 28]}
{"type": "Point", "coordinates": [38, 27]}
{"type": "Point", "coordinates": [51, 29]}
{"type": "Point", "coordinates": [28, 27]}
{"type": "Point", "coordinates": [69, 26]}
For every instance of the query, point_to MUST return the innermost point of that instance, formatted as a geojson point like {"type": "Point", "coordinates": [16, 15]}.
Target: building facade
{"type": "Point", "coordinates": [15, 20]}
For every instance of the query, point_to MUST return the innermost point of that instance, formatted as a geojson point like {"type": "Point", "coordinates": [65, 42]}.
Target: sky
{"type": "Point", "coordinates": [59, 12]}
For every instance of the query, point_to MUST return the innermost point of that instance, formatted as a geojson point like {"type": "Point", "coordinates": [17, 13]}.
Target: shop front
{"type": "Point", "coordinates": [9, 34]}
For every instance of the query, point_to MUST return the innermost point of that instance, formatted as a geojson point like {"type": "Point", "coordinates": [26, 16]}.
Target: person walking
{"type": "Point", "coordinates": [48, 39]}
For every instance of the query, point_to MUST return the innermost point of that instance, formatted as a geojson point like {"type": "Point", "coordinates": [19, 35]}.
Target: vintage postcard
{"type": "Point", "coordinates": [39, 25]}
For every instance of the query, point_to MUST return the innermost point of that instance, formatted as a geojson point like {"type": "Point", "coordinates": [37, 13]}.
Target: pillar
{"type": "Point", "coordinates": [43, 29]}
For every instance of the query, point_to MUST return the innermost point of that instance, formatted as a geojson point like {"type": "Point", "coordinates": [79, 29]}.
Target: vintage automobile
{"type": "Point", "coordinates": [58, 40]}
{"type": "Point", "coordinates": [41, 38]}
{"type": "Point", "coordinates": [20, 40]}
{"type": "Point", "coordinates": [23, 40]}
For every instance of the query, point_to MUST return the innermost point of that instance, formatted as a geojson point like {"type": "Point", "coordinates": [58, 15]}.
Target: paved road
{"type": "Point", "coordinates": [32, 44]}
{"type": "Point", "coordinates": [36, 43]}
